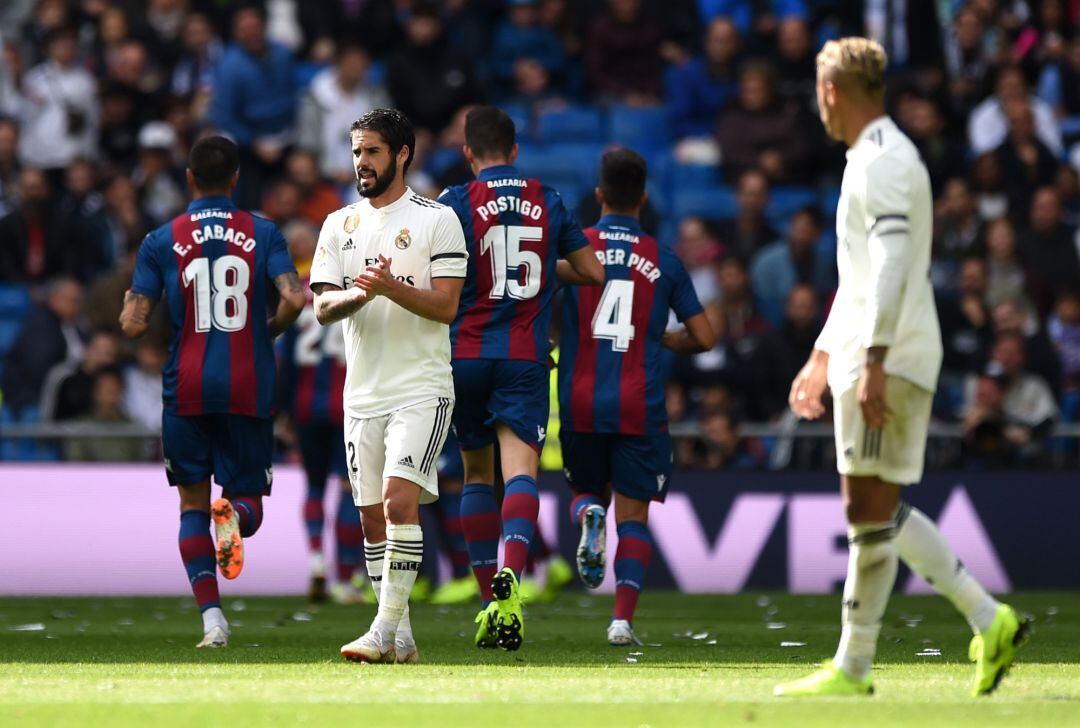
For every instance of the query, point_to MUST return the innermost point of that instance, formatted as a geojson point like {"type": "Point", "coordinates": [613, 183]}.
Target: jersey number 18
{"type": "Point", "coordinates": [215, 288]}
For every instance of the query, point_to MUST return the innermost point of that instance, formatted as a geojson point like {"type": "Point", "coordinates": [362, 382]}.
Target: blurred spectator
{"type": "Point", "coordinates": [622, 54]}
{"type": "Point", "coordinates": [1064, 331]}
{"type": "Point", "coordinates": [1039, 354]}
{"type": "Point", "coordinates": [988, 124]}
{"type": "Point", "coordinates": [255, 101]}
{"type": "Point", "coordinates": [161, 184]}
{"type": "Point", "coordinates": [1059, 84]}
{"type": "Point", "coordinates": [756, 132]}
{"type": "Point", "coordinates": [82, 208]}
{"type": "Point", "coordinates": [968, 60]}
{"type": "Point", "coordinates": [957, 232]}
{"type": "Point", "coordinates": [521, 38]}
{"type": "Point", "coordinates": [336, 98]}
{"type": "Point", "coordinates": [10, 77]}
{"type": "Point", "coordinates": [785, 350]}
{"type": "Point", "coordinates": [744, 14]}
{"type": "Point", "coordinates": [193, 76]}
{"type": "Point", "coordinates": [127, 220]}
{"type": "Point", "coordinates": [143, 385]}
{"type": "Point", "coordinates": [60, 110]}
{"type": "Point", "coordinates": [106, 297]}
{"type": "Point", "coordinates": [282, 202]}
{"type": "Point", "coordinates": [318, 198]}
{"type": "Point", "coordinates": [118, 140]}
{"type": "Point", "coordinates": [699, 89]}
{"type": "Point", "coordinates": [750, 230]}
{"type": "Point", "coordinates": [779, 266]}
{"type": "Point", "coordinates": [430, 97]}
{"type": "Point", "coordinates": [796, 69]}
{"type": "Point", "coordinates": [560, 17]}
{"type": "Point", "coordinates": [989, 188]}
{"type": "Point", "coordinates": [108, 396]}
{"type": "Point", "coordinates": [925, 124]}
{"type": "Point", "coordinates": [1049, 246]}
{"type": "Point", "coordinates": [966, 328]}
{"type": "Point", "coordinates": [699, 249]}
{"type": "Point", "coordinates": [51, 334]}
{"type": "Point", "coordinates": [1005, 270]}
{"type": "Point", "coordinates": [1008, 420]}
{"type": "Point", "coordinates": [9, 165]}
{"type": "Point", "coordinates": [132, 73]}
{"type": "Point", "coordinates": [68, 390]}
{"type": "Point", "coordinates": [722, 447]}
{"type": "Point", "coordinates": [1026, 163]}
{"type": "Point", "coordinates": [1067, 183]}
{"type": "Point", "coordinates": [36, 243]}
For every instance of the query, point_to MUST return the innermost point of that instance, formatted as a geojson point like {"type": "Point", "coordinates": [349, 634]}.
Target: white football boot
{"type": "Point", "coordinates": [216, 636]}
{"type": "Point", "coordinates": [371, 647]}
{"type": "Point", "coordinates": [405, 648]}
{"type": "Point", "coordinates": [621, 634]}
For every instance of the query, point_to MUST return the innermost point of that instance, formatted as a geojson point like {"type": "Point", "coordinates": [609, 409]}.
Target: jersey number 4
{"type": "Point", "coordinates": [613, 318]}
{"type": "Point", "coordinates": [503, 242]}
{"type": "Point", "coordinates": [220, 292]}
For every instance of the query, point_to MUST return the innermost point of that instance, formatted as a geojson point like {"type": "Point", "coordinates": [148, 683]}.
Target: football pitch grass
{"type": "Point", "coordinates": [708, 660]}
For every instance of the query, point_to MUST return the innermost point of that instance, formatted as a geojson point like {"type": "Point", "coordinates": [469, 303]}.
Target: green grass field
{"type": "Point", "coordinates": [707, 661]}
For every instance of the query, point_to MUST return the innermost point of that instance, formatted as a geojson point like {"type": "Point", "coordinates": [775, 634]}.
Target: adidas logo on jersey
{"type": "Point", "coordinates": [347, 246]}
{"type": "Point", "coordinates": [406, 461]}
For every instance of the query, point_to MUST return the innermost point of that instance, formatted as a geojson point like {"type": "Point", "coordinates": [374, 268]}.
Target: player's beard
{"type": "Point", "coordinates": [382, 181]}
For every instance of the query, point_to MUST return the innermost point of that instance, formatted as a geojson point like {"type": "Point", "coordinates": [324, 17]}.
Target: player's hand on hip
{"type": "Point", "coordinates": [808, 389]}
{"type": "Point", "coordinates": [377, 280]}
{"type": "Point", "coordinates": [871, 393]}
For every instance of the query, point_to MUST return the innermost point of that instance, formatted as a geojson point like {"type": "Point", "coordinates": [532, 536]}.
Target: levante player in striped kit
{"type": "Point", "coordinates": [612, 381]}
{"type": "Point", "coordinates": [516, 229]}
{"type": "Point", "coordinates": [213, 263]}
{"type": "Point", "coordinates": [311, 389]}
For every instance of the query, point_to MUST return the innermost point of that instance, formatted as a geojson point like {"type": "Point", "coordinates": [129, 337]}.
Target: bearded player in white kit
{"type": "Point", "coordinates": [880, 352]}
{"type": "Point", "coordinates": [392, 267]}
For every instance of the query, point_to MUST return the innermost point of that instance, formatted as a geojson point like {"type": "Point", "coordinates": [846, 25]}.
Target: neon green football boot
{"type": "Point", "coordinates": [829, 680]}
{"type": "Point", "coordinates": [510, 623]}
{"type": "Point", "coordinates": [994, 650]}
{"type": "Point", "coordinates": [487, 633]}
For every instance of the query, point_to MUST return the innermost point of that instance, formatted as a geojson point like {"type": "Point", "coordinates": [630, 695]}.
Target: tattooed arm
{"type": "Point", "coordinates": [333, 304]}
{"type": "Point", "coordinates": [135, 318]}
{"type": "Point", "coordinates": [289, 306]}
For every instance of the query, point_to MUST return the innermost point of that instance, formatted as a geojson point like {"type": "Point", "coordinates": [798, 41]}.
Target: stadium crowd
{"type": "Point", "coordinates": [100, 100]}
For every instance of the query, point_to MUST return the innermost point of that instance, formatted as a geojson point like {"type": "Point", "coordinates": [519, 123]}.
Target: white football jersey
{"type": "Point", "coordinates": [394, 358]}
{"type": "Point", "coordinates": [883, 229]}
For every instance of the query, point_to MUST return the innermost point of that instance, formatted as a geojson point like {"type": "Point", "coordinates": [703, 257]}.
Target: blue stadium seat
{"type": "Point", "coordinates": [691, 176]}
{"type": "Point", "coordinates": [830, 198]}
{"type": "Point", "coordinates": [786, 201]}
{"type": "Point", "coordinates": [14, 300]}
{"type": "Point", "coordinates": [522, 118]}
{"type": "Point", "coordinates": [9, 331]}
{"type": "Point", "coordinates": [569, 168]}
{"type": "Point", "coordinates": [573, 124]}
{"type": "Point", "coordinates": [714, 203]}
{"type": "Point", "coordinates": [640, 129]}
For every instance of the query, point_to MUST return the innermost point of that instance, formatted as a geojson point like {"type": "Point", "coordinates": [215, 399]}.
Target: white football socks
{"type": "Point", "coordinates": [925, 551]}
{"type": "Point", "coordinates": [374, 554]}
{"type": "Point", "coordinates": [214, 617]}
{"type": "Point", "coordinates": [872, 564]}
{"type": "Point", "coordinates": [318, 564]}
{"type": "Point", "coordinates": [404, 553]}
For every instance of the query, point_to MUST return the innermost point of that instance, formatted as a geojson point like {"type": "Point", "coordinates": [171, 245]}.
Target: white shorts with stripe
{"type": "Point", "coordinates": [895, 453]}
{"type": "Point", "coordinates": [403, 444]}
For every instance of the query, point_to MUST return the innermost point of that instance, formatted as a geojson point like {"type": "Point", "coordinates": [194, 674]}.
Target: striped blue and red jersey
{"type": "Point", "coordinates": [612, 376]}
{"type": "Point", "coordinates": [213, 264]}
{"type": "Point", "coordinates": [516, 229]}
{"type": "Point", "coordinates": [312, 369]}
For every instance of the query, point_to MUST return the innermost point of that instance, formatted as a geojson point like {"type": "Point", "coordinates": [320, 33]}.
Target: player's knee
{"type": "Point", "coordinates": [401, 504]}
{"type": "Point", "coordinates": [194, 497]}
{"type": "Point", "coordinates": [373, 522]}
{"type": "Point", "coordinates": [630, 509]}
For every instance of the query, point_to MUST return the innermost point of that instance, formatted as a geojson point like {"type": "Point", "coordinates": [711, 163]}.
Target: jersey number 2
{"type": "Point", "coordinates": [504, 244]}
{"type": "Point", "coordinates": [215, 287]}
{"type": "Point", "coordinates": [612, 319]}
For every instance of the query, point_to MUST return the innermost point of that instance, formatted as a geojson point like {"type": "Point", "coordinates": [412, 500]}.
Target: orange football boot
{"type": "Point", "coordinates": [230, 547]}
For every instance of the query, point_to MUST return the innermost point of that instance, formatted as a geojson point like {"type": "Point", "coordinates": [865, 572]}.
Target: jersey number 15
{"type": "Point", "coordinates": [503, 242]}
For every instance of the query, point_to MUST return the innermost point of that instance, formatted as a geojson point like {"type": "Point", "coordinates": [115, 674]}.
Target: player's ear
{"type": "Point", "coordinates": [234, 181]}
{"type": "Point", "coordinates": [513, 153]}
{"type": "Point", "coordinates": [190, 179]}
{"type": "Point", "coordinates": [644, 198]}
{"type": "Point", "coordinates": [599, 196]}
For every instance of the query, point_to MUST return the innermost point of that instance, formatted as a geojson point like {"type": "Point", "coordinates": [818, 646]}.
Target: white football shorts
{"type": "Point", "coordinates": [895, 453]}
{"type": "Point", "coordinates": [403, 444]}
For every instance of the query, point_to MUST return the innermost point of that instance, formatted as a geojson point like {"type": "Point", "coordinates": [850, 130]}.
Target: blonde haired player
{"type": "Point", "coordinates": [880, 353]}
